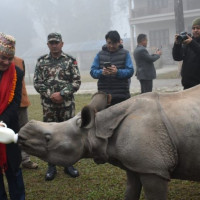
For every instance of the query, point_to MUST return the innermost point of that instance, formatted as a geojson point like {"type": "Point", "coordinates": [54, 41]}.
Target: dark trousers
{"type": "Point", "coordinates": [15, 185]}
{"type": "Point", "coordinates": [146, 86]}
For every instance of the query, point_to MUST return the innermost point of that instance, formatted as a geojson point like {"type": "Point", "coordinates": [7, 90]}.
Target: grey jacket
{"type": "Point", "coordinates": [144, 63]}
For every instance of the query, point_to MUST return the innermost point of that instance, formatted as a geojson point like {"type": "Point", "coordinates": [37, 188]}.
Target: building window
{"type": "Point", "coordinates": [193, 4]}
{"type": "Point", "coordinates": [159, 38]}
{"type": "Point", "coordinates": [152, 4]}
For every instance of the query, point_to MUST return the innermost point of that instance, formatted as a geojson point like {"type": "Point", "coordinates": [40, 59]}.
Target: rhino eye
{"type": "Point", "coordinates": [48, 137]}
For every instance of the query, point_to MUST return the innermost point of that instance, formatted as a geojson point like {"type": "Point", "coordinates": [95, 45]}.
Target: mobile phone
{"type": "Point", "coordinates": [107, 64]}
{"type": "Point", "coordinates": [160, 48]}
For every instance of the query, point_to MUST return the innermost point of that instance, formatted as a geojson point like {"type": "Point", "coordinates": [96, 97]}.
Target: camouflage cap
{"type": "Point", "coordinates": [196, 22]}
{"type": "Point", "coordinates": [7, 44]}
{"type": "Point", "coordinates": [54, 37]}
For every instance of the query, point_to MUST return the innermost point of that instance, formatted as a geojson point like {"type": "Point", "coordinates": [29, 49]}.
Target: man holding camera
{"type": "Point", "coordinates": [187, 49]}
{"type": "Point", "coordinates": [113, 67]}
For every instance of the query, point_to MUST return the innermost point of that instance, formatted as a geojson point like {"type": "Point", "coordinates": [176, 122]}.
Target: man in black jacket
{"type": "Point", "coordinates": [10, 98]}
{"type": "Point", "coordinates": [188, 51]}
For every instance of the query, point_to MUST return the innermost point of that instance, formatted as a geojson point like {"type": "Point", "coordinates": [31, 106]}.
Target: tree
{"type": "Point", "coordinates": [77, 20]}
{"type": "Point", "coordinates": [120, 16]}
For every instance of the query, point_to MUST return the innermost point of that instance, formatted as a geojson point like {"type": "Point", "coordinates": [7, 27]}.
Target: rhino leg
{"type": "Point", "coordinates": [155, 187]}
{"type": "Point", "coordinates": [134, 186]}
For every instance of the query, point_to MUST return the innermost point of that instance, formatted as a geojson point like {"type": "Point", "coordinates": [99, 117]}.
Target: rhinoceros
{"type": "Point", "coordinates": [153, 136]}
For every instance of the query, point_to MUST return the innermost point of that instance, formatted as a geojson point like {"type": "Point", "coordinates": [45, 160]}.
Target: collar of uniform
{"type": "Point", "coordinates": [61, 55]}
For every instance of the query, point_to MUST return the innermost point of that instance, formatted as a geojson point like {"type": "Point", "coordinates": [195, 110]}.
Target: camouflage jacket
{"type": "Point", "coordinates": [56, 75]}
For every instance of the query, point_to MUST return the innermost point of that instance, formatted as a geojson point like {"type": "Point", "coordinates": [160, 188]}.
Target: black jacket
{"type": "Point", "coordinates": [190, 54]}
{"type": "Point", "coordinates": [10, 117]}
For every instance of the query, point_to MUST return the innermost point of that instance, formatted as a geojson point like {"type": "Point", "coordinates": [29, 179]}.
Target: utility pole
{"type": "Point", "coordinates": [179, 18]}
{"type": "Point", "coordinates": [131, 26]}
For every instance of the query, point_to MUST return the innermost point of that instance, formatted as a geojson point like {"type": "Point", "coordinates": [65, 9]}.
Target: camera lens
{"type": "Point", "coordinates": [182, 36]}
{"type": "Point", "coordinates": [179, 38]}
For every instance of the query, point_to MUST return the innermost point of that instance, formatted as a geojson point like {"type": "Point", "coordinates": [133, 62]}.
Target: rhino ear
{"type": "Point", "coordinates": [108, 120]}
{"type": "Point", "coordinates": [87, 117]}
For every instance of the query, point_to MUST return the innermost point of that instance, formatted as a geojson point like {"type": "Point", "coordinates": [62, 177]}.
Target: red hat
{"type": "Point", "coordinates": [7, 44]}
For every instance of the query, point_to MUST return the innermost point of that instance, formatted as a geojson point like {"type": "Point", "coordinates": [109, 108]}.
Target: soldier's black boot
{"type": "Point", "coordinates": [51, 172]}
{"type": "Point", "coordinates": [71, 171]}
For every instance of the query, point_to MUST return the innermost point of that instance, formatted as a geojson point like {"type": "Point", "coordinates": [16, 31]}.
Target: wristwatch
{"type": "Point", "coordinates": [62, 93]}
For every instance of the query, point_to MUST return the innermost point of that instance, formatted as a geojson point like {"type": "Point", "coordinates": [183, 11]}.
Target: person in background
{"type": "Point", "coordinates": [10, 97]}
{"type": "Point", "coordinates": [23, 114]}
{"type": "Point", "coordinates": [145, 63]}
{"type": "Point", "coordinates": [56, 78]}
{"type": "Point", "coordinates": [187, 50]}
{"type": "Point", "coordinates": [113, 68]}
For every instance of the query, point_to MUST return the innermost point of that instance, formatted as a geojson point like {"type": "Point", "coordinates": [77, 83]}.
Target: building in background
{"type": "Point", "coordinates": [156, 18]}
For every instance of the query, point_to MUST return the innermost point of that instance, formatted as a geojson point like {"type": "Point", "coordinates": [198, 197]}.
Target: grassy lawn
{"type": "Point", "coordinates": [96, 182]}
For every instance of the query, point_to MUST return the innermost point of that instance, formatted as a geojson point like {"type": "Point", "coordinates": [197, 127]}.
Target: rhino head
{"type": "Point", "coordinates": [66, 142]}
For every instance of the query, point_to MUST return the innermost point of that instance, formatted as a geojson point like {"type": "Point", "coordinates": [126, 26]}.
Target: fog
{"type": "Point", "coordinates": [79, 21]}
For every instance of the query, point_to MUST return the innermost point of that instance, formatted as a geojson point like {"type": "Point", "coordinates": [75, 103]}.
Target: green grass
{"type": "Point", "coordinates": [96, 182]}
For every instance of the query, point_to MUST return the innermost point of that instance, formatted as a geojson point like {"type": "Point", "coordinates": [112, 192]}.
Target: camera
{"type": "Point", "coordinates": [182, 37]}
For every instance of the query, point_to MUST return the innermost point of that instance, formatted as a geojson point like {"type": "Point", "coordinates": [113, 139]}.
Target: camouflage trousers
{"type": "Point", "coordinates": [56, 114]}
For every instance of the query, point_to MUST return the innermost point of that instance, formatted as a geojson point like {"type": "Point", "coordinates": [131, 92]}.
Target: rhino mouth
{"type": "Point", "coordinates": [21, 140]}
{"type": "Point", "coordinates": [30, 148]}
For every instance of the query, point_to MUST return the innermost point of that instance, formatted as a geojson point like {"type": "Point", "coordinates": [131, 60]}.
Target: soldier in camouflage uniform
{"type": "Point", "coordinates": [56, 78]}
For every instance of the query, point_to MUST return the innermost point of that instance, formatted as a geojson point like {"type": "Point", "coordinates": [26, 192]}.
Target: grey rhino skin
{"type": "Point", "coordinates": [154, 137]}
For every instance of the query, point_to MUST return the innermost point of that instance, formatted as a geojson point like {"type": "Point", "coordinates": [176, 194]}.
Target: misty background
{"type": "Point", "coordinates": [82, 23]}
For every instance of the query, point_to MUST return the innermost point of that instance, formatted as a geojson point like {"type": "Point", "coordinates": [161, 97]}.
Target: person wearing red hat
{"type": "Point", "coordinates": [10, 97]}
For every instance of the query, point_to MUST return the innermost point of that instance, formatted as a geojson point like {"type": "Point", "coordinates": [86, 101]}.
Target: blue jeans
{"type": "Point", "coordinates": [15, 185]}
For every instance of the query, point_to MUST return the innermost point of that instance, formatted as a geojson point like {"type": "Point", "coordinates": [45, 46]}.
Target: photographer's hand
{"type": "Point", "coordinates": [176, 41]}
{"type": "Point", "coordinates": [188, 40]}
